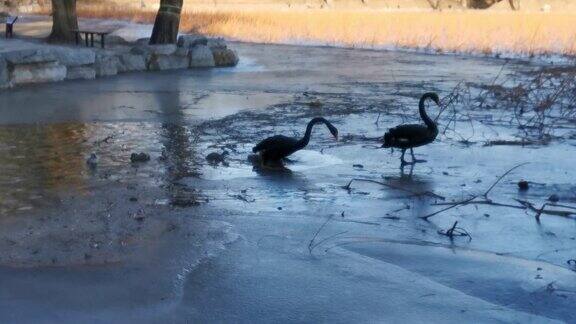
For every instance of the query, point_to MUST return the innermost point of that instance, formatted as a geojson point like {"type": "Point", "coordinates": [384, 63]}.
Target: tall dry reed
{"type": "Point", "coordinates": [486, 32]}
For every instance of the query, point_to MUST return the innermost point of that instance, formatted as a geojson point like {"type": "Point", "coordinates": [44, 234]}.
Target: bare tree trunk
{"type": "Point", "coordinates": [167, 22]}
{"type": "Point", "coordinates": [64, 21]}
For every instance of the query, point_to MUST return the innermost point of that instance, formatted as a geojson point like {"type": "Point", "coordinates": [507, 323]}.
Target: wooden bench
{"type": "Point", "coordinates": [10, 21]}
{"type": "Point", "coordinates": [89, 36]}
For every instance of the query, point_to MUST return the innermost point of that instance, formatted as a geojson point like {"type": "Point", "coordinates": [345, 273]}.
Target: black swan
{"type": "Point", "coordinates": [275, 148]}
{"type": "Point", "coordinates": [410, 136]}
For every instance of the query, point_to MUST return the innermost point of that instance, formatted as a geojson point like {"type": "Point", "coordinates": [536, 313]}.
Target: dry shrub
{"type": "Point", "coordinates": [538, 104]}
{"type": "Point", "coordinates": [482, 32]}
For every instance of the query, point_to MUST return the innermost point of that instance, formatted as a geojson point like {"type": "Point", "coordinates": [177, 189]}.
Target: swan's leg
{"type": "Point", "coordinates": [402, 161]}
{"type": "Point", "coordinates": [414, 160]}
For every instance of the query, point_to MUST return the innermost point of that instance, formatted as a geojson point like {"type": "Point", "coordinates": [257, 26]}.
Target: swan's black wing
{"type": "Point", "coordinates": [408, 136]}
{"type": "Point", "coordinates": [275, 143]}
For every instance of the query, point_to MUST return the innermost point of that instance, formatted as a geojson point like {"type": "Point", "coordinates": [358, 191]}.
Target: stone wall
{"type": "Point", "coordinates": [47, 63]}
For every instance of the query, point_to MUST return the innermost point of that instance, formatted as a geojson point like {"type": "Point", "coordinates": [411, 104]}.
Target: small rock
{"type": "Point", "coordinates": [486, 215]}
{"type": "Point", "coordinates": [523, 185]}
{"type": "Point", "coordinates": [215, 158]}
{"type": "Point", "coordinates": [139, 219]}
{"type": "Point", "coordinates": [92, 161]}
{"type": "Point", "coordinates": [139, 157]}
{"type": "Point", "coordinates": [554, 198]}
{"type": "Point", "coordinates": [133, 199]}
{"type": "Point", "coordinates": [445, 173]}
{"type": "Point", "coordinates": [359, 166]}
{"type": "Point", "coordinates": [315, 104]}
{"type": "Point", "coordinates": [279, 208]}
{"type": "Point", "coordinates": [184, 202]}
{"type": "Point", "coordinates": [224, 57]}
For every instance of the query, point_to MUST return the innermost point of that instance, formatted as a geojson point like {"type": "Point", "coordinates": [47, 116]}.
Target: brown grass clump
{"type": "Point", "coordinates": [484, 32]}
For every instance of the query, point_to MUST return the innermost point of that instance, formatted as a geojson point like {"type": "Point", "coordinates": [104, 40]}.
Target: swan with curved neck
{"type": "Point", "coordinates": [410, 136]}
{"type": "Point", "coordinates": [276, 148]}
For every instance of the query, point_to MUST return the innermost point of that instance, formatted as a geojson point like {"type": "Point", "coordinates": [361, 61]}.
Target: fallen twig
{"type": "Point", "coordinates": [325, 240]}
{"type": "Point", "coordinates": [424, 193]}
{"type": "Point", "coordinates": [523, 142]}
{"type": "Point", "coordinates": [311, 244]}
{"type": "Point", "coordinates": [456, 204]}
{"type": "Point", "coordinates": [486, 201]}
{"type": "Point", "coordinates": [455, 231]}
{"type": "Point", "coordinates": [482, 202]}
{"type": "Point", "coordinates": [502, 177]}
{"type": "Point", "coordinates": [542, 210]}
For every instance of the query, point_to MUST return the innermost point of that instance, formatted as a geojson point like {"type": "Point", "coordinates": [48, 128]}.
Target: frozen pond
{"type": "Point", "coordinates": [176, 240]}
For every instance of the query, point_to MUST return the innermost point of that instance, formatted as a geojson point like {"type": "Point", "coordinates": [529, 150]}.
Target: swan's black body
{"type": "Point", "coordinates": [410, 136]}
{"type": "Point", "coordinates": [275, 148]}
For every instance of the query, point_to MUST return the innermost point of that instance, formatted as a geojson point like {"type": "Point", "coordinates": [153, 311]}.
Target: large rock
{"type": "Point", "coordinates": [216, 43]}
{"type": "Point", "coordinates": [168, 62]}
{"type": "Point", "coordinates": [131, 62]}
{"type": "Point", "coordinates": [37, 73]}
{"type": "Point", "coordinates": [116, 40]}
{"type": "Point", "coordinates": [4, 74]}
{"type": "Point", "coordinates": [182, 51]}
{"type": "Point", "coordinates": [29, 56]}
{"type": "Point", "coordinates": [80, 73]}
{"type": "Point", "coordinates": [224, 57]}
{"type": "Point", "coordinates": [201, 56]}
{"type": "Point", "coordinates": [143, 41]}
{"type": "Point", "coordinates": [74, 56]}
{"type": "Point", "coordinates": [189, 41]}
{"type": "Point", "coordinates": [106, 64]}
{"type": "Point", "coordinates": [167, 49]}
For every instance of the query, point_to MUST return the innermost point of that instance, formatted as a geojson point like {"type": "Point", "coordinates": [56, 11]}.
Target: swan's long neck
{"type": "Point", "coordinates": [427, 120]}
{"type": "Point", "coordinates": [303, 142]}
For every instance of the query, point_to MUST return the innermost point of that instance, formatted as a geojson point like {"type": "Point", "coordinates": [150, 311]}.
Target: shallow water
{"type": "Point", "coordinates": [115, 228]}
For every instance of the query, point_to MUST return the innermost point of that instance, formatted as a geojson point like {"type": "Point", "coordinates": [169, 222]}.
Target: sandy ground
{"type": "Point", "coordinates": [176, 240]}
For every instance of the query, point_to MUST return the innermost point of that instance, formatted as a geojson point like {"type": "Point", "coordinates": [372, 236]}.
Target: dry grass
{"type": "Point", "coordinates": [485, 32]}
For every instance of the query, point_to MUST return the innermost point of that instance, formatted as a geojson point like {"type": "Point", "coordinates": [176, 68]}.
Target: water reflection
{"type": "Point", "coordinates": [37, 160]}
{"type": "Point", "coordinates": [179, 151]}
